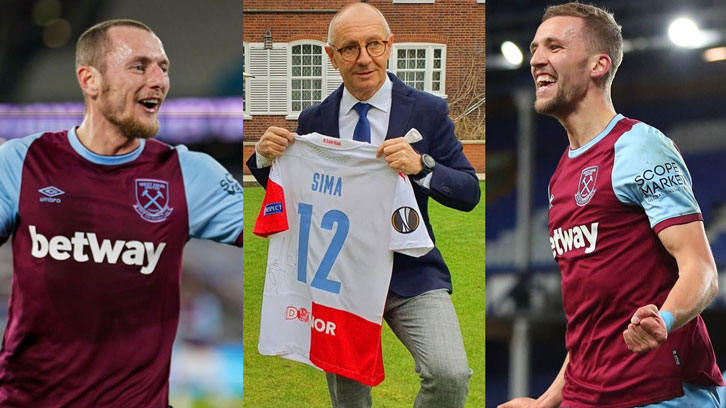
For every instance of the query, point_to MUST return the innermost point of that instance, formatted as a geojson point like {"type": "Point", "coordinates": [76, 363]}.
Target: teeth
{"type": "Point", "coordinates": [149, 103]}
{"type": "Point", "coordinates": [544, 80]}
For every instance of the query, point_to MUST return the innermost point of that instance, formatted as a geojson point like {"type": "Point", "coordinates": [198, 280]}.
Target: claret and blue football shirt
{"type": "Point", "coordinates": [335, 214]}
{"type": "Point", "coordinates": [608, 200]}
{"type": "Point", "coordinates": [97, 250]}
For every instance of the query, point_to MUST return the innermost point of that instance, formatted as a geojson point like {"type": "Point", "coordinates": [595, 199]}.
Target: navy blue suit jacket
{"type": "Point", "coordinates": [453, 184]}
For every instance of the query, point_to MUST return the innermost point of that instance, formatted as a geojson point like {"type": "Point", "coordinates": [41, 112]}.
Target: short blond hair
{"type": "Point", "coordinates": [604, 35]}
{"type": "Point", "coordinates": [94, 43]}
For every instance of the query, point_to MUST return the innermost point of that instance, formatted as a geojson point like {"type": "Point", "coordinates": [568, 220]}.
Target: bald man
{"type": "Point", "coordinates": [376, 107]}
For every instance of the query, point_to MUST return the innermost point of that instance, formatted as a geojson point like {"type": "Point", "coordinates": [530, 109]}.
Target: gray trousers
{"type": "Point", "coordinates": [427, 325]}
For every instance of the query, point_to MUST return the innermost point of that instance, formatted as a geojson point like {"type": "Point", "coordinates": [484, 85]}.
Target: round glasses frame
{"type": "Point", "coordinates": [351, 53]}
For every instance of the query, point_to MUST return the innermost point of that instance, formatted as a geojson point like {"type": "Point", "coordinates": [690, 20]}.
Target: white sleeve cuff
{"type": "Point", "coordinates": [261, 160]}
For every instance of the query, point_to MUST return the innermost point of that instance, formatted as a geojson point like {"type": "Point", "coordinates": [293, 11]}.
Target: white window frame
{"type": "Point", "coordinates": [429, 69]}
{"type": "Point", "coordinates": [245, 84]}
{"type": "Point", "coordinates": [269, 87]}
{"type": "Point", "coordinates": [330, 77]}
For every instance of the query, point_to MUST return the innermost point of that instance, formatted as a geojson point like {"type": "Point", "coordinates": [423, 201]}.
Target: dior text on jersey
{"type": "Point", "coordinates": [61, 248]}
{"type": "Point", "coordinates": [577, 237]}
{"type": "Point", "coordinates": [302, 314]}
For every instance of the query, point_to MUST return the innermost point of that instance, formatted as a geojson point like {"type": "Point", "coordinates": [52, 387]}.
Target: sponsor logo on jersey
{"type": "Point", "coordinates": [661, 179]}
{"type": "Point", "coordinates": [334, 142]}
{"type": "Point", "coordinates": [273, 208]}
{"type": "Point", "coordinates": [586, 186]}
{"type": "Point", "coordinates": [50, 193]}
{"type": "Point", "coordinates": [302, 314]}
{"type": "Point", "coordinates": [152, 199]}
{"type": "Point", "coordinates": [230, 185]}
{"type": "Point", "coordinates": [405, 220]}
{"type": "Point", "coordinates": [61, 248]}
{"type": "Point", "coordinates": [577, 237]}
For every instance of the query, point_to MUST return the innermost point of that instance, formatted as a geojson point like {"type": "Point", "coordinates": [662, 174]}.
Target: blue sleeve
{"type": "Point", "coordinates": [214, 198]}
{"type": "Point", "coordinates": [12, 156]}
{"type": "Point", "coordinates": [649, 171]}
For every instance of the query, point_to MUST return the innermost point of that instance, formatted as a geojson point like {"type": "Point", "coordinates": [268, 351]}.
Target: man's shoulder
{"type": "Point", "coordinates": [640, 135]}
{"type": "Point", "coordinates": [20, 146]}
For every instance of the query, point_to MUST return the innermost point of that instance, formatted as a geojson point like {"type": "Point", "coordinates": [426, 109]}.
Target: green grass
{"type": "Point", "coordinates": [279, 383]}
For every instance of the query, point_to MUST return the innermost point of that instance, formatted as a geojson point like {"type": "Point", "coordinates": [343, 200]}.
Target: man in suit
{"type": "Point", "coordinates": [375, 106]}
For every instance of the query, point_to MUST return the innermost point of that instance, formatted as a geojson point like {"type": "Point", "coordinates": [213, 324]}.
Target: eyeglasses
{"type": "Point", "coordinates": [374, 48]}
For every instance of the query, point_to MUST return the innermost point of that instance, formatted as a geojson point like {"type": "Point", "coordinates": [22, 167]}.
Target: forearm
{"type": "Point", "coordinates": [552, 397]}
{"type": "Point", "coordinates": [695, 288]}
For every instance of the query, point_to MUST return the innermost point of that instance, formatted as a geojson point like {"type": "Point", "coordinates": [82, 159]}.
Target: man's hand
{"type": "Point", "coordinates": [646, 331]}
{"type": "Point", "coordinates": [522, 402]}
{"type": "Point", "coordinates": [274, 142]}
{"type": "Point", "coordinates": [400, 156]}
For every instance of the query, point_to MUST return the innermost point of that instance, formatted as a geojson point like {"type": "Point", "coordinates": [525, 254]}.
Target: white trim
{"type": "Point", "coordinates": [245, 85]}
{"type": "Point", "coordinates": [330, 78]}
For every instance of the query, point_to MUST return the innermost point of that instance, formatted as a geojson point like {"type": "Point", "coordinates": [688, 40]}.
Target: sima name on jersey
{"type": "Point", "coordinates": [323, 183]}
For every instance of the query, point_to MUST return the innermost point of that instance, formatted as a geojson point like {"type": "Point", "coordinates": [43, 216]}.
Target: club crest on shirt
{"type": "Point", "coordinates": [152, 199]}
{"type": "Point", "coordinates": [405, 220]}
{"type": "Point", "coordinates": [586, 185]}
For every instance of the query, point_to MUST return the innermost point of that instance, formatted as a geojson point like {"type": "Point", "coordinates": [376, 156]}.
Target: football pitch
{"type": "Point", "coordinates": [279, 383]}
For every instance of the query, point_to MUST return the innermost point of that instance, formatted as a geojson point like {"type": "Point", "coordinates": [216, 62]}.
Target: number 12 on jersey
{"type": "Point", "coordinates": [330, 218]}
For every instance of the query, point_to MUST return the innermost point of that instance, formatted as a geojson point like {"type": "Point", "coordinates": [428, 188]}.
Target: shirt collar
{"type": "Point", "coordinates": [380, 100]}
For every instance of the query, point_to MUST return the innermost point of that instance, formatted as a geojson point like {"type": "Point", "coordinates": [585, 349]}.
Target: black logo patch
{"type": "Point", "coordinates": [405, 220]}
{"type": "Point", "coordinates": [230, 185]}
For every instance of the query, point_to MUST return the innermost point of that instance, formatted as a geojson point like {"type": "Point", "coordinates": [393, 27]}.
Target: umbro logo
{"type": "Point", "coordinates": [50, 193]}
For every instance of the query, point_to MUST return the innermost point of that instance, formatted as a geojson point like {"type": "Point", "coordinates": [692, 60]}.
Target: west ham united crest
{"type": "Point", "coordinates": [152, 199]}
{"type": "Point", "coordinates": [586, 186]}
{"type": "Point", "coordinates": [405, 220]}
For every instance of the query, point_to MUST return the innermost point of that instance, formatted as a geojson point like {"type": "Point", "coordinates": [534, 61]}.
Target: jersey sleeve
{"type": "Point", "coordinates": [273, 214]}
{"type": "Point", "coordinates": [12, 156]}
{"type": "Point", "coordinates": [408, 232]}
{"type": "Point", "coordinates": [214, 198]}
{"type": "Point", "coordinates": [649, 171]}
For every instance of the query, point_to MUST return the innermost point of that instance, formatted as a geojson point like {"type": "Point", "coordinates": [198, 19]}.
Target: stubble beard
{"type": "Point", "coordinates": [128, 125]}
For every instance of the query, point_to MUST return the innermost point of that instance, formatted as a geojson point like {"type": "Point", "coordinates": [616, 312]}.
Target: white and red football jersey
{"type": "Point", "coordinates": [335, 214]}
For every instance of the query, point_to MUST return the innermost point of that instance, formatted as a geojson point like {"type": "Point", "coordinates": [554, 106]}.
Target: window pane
{"type": "Point", "coordinates": [411, 53]}
{"type": "Point", "coordinates": [306, 71]}
{"type": "Point", "coordinates": [306, 95]}
{"type": "Point", "coordinates": [296, 49]}
{"type": "Point", "coordinates": [318, 60]}
{"type": "Point", "coordinates": [420, 64]}
{"type": "Point", "coordinates": [307, 60]}
{"type": "Point", "coordinates": [436, 86]}
{"type": "Point", "coordinates": [295, 95]}
{"type": "Point", "coordinates": [401, 63]}
{"type": "Point", "coordinates": [296, 106]}
{"type": "Point", "coordinates": [295, 71]}
{"type": "Point", "coordinates": [421, 53]}
{"type": "Point", "coordinates": [401, 54]}
{"type": "Point", "coordinates": [437, 63]}
{"type": "Point", "coordinates": [317, 84]}
{"type": "Point", "coordinates": [306, 49]}
{"type": "Point", "coordinates": [436, 75]}
{"type": "Point", "coordinates": [317, 71]}
{"type": "Point", "coordinates": [411, 64]}
{"type": "Point", "coordinates": [419, 76]}
{"type": "Point", "coordinates": [437, 53]}
{"type": "Point", "coordinates": [317, 96]}
{"type": "Point", "coordinates": [317, 49]}
{"type": "Point", "coordinates": [295, 60]}
{"type": "Point", "coordinates": [419, 85]}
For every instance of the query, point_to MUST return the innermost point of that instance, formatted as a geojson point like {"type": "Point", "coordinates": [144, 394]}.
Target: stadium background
{"type": "Point", "coordinates": [38, 92]}
{"type": "Point", "coordinates": [672, 88]}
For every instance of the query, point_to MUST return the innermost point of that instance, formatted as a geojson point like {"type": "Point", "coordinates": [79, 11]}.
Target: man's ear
{"type": "Point", "coordinates": [600, 66]}
{"type": "Point", "coordinates": [90, 80]}
{"type": "Point", "coordinates": [330, 51]}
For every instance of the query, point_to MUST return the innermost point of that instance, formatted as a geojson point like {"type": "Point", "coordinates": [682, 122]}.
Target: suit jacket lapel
{"type": "Point", "coordinates": [402, 105]}
{"type": "Point", "coordinates": [329, 111]}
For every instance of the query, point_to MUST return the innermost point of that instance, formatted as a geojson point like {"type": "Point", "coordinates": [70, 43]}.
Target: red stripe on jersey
{"type": "Point", "coordinates": [346, 344]}
{"type": "Point", "coordinates": [684, 219]}
{"type": "Point", "coordinates": [273, 214]}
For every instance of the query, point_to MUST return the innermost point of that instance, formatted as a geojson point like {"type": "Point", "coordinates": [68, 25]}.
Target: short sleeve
{"type": "Point", "coordinates": [409, 235]}
{"type": "Point", "coordinates": [12, 156]}
{"type": "Point", "coordinates": [649, 171]}
{"type": "Point", "coordinates": [214, 198]}
{"type": "Point", "coordinates": [273, 214]}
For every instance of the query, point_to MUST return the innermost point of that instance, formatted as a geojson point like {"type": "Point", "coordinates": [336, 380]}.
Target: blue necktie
{"type": "Point", "coordinates": [362, 130]}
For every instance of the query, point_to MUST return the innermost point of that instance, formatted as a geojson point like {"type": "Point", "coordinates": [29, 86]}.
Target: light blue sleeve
{"type": "Point", "coordinates": [214, 198]}
{"type": "Point", "coordinates": [649, 171]}
{"type": "Point", "coordinates": [12, 156]}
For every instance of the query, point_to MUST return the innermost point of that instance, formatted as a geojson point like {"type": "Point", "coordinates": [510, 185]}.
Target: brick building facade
{"type": "Point", "coordinates": [438, 47]}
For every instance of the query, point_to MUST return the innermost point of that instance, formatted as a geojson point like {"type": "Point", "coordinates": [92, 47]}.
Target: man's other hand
{"type": "Point", "coordinates": [274, 142]}
{"type": "Point", "coordinates": [400, 156]}
{"type": "Point", "coordinates": [646, 331]}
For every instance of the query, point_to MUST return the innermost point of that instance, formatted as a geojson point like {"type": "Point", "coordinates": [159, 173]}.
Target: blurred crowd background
{"type": "Point", "coordinates": [672, 77]}
{"type": "Point", "coordinates": [203, 110]}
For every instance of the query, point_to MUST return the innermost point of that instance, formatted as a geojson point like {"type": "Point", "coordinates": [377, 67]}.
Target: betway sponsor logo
{"type": "Point", "coordinates": [61, 248]}
{"type": "Point", "coordinates": [580, 236]}
{"type": "Point", "coordinates": [302, 314]}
